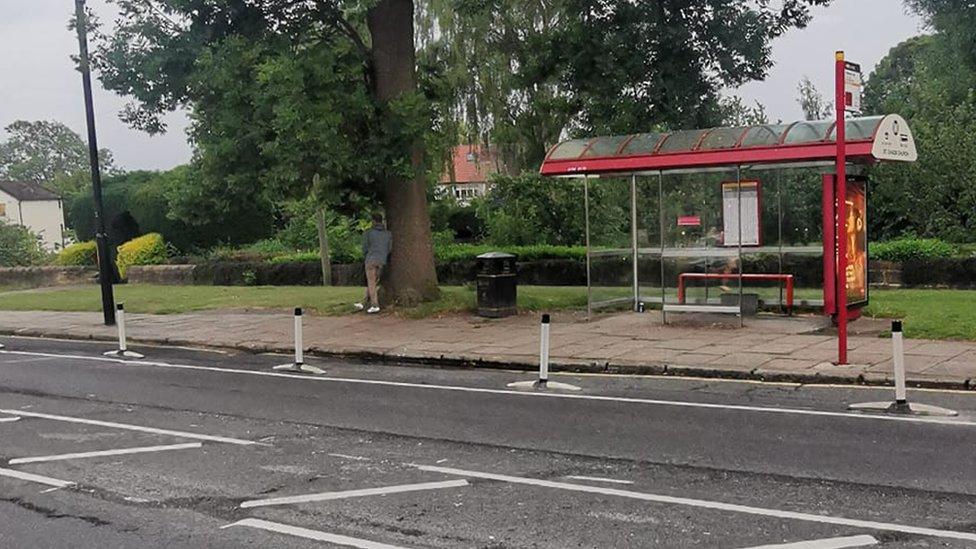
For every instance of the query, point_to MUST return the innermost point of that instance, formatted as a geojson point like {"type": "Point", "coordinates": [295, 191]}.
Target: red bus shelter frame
{"type": "Point", "coordinates": [890, 139]}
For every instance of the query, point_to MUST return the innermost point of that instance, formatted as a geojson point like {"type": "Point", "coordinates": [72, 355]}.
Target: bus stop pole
{"type": "Point", "coordinates": [841, 198]}
{"type": "Point", "coordinates": [633, 239]}
{"type": "Point", "coordinates": [586, 222]}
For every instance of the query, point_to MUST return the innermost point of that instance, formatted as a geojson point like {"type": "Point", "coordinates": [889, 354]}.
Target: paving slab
{"type": "Point", "coordinates": [795, 348]}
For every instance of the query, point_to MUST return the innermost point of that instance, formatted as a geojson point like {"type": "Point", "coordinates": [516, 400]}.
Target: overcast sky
{"type": "Point", "coordinates": [39, 81]}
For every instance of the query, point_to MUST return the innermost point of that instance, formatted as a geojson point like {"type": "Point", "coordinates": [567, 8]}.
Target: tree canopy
{"type": "Point", "coordinates": [47, 152]}
{"type": "Point", "coordinates": [524, 73]}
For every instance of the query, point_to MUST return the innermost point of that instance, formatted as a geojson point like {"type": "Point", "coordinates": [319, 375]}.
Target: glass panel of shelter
{"type": "Point", "coordinates": [611, 270]}
{"type": "Point", "coordinates": [700, 260]}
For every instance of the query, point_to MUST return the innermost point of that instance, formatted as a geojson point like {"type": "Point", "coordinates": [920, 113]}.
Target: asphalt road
{"type": "Point", "coordinates": [206, 449]}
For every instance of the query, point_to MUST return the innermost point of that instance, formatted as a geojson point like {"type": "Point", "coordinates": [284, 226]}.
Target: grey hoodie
{"type": "Point", "coordinates": [377, 243]}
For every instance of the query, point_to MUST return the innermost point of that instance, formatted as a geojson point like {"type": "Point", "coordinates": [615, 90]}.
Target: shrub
{"type": "Point", "coordinates": [468, 252]}
{"type": "Point", "coordinates": [82, 253]}
{"type": "Point", "coordinates": [19, 247]}
{"type": "Point", "coordinates": [912, 249]}
{"type": "Point", "coordinates": [148, 249]}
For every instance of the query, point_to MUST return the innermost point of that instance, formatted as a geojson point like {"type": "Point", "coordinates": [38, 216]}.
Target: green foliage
{"type": "Point", "coordinates": [148, 249]}
{"type": "Point", "coordinates": [147, 196]}
{"type": "Point", "coordinates": [468, 252]}
{"type": "Point", "coordinates": [927, 80]}
{"type": "Point", "coordinates": [80, 253]}
{"type": "Point", "coordinates": [530, 209]}
{"type": "Point", "coordinates": [19, 247]}
{"type": "Point", "coordinates": [912, 249]}
{"type": "Point", "coordinates": [48, 153]}
{"type": "Point", "coordinates": [520, 73]}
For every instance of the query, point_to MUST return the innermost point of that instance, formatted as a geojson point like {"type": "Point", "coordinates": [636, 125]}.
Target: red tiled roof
{"type": "Point", "coordinates": [472, 164]}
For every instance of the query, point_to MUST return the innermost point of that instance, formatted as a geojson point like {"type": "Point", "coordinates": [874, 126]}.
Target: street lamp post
{"type": "Point", "coordinates": [105, 271]}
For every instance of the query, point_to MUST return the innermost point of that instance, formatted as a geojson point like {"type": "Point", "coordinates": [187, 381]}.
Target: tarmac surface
{"type": "Point", "coordinates": [191, 448]}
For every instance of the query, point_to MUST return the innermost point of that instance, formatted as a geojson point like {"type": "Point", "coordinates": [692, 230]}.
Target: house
{"type": "Point", "coordinates": [467, 175]}
{"type": "Point", "coordinates": [36, 208]}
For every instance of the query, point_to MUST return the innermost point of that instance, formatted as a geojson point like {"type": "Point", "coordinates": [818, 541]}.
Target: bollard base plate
{"type": "Point", "coordinates": [905, 408]}
{"type": "Point", "coordinates": [299, 368]}
{"type": "Point", "coordinates": [124, 354]}
{"type": "Point", "coordinates": [539, 385]}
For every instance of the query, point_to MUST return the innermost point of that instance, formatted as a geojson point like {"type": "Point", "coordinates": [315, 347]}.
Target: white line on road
{"type": "Point", "coordinates": [102, 453]}
{"type": "Point", "coordinates": [705, 504]}
{"type": "Point", "coordinates": [10, 419]}
{"type": "Point", "coordinates": [129, 427]}
{"type": "Point", "coordinates": [832, 543]}
{"type": "Point", "coordinates": [326, 496]}
{"type": "Point", "coordinates": [482, 390]}
{"type": "Point", "coordinates": [354, 458]}
{"type": "Point", "coordinates": [312, 534]}
{"type": "Point", "coordinates": [600, 479]}
{"type": "Point", "coordinates": [20, 475]}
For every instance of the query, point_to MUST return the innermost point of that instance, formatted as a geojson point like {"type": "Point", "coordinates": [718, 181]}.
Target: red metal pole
{"type": "Point", "coordinates": [829, 244]}
{"type": "Point", "coordinates": [841, 198]}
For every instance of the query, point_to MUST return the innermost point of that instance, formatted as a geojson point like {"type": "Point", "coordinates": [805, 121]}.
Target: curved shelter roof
{"type": "Point", "coordinates": [870, 139]}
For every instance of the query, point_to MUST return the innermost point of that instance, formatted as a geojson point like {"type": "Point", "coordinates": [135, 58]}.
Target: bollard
{"type": "Point", "coordinates": [543, 382]}
{"type": "Point", "coordinates": [299, 364]}
{"type": "Point", "coordinates": [901, 404]}
{"type": "Point", "coordinates": [544, 351]}
{"type": "Point", "coordinates": [123, 350]}
{"type": "Point", "coordinates": [898, 358]}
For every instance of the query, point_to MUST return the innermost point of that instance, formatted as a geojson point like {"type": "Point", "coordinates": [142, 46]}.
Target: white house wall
{"type": "Point", "coordinates": [12, 214]}
{"type": "Point", "coordinates": [45, 218]}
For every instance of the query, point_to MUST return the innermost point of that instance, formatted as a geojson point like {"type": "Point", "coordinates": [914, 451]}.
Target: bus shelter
{"type": "Point", "coordinates": [725, 219]}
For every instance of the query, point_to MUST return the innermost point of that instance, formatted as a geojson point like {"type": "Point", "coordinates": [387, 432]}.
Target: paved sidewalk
{"type": "Point", "coordinates": [767, 349]}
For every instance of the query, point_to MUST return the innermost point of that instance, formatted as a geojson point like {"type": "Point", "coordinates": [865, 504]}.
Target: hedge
{"type": "Point", "coordinates": [82, 253]}
{"type": "Point", "coordinates": [912, 249]}
{"type": "Point", "coordinates": [148, 249]}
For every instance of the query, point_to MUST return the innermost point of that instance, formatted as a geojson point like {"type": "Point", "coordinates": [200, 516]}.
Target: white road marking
{"type": "Point", "coordinates": [525, 394]}
{"type": "Point", "coordinates": [354, 458]}
{"type": "Point", "coordinates": [57, 483]}
{"type": "Point", "coordinates": [10, 419]}
{"type": "Point", "coordinates": [117, 452]}
{"type": "Point", "coordinates": [600, 479]}
{"type": "Point", "coordinates": [705, 504]}
{"type": "Point", "coordinates": [129, 427]}
{"type": "Point", "coordinates": [326, 496]}
{"type": "Point", "coordinates": [832, 543]}
{"type": "Point", "coordinates": [312, 534]}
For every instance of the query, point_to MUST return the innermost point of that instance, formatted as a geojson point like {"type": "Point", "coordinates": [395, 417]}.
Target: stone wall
{"type": "Point", "coordinates": [36, 277]}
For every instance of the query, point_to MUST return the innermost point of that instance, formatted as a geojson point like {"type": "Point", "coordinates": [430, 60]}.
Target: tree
{"type": "Point", "coordinates": [47, 153]}
{"type": "Point", "coordinates": [18, 246]}
{"type": "Point", "coordinates": [244, 67]}
{"type": "Point", "coordinates": [524, 73]}
{"type": "Point", "coordinates": [927, 80]}
{"type": "Point", "coordinates": [814, 106]}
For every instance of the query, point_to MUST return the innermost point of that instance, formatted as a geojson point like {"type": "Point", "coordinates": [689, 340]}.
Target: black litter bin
{"type": "Point", "coordinates": [497, 285]}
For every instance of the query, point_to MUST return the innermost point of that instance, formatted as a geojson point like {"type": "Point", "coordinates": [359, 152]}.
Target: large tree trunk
{"type": "Point", "coordinates": [411, 274]}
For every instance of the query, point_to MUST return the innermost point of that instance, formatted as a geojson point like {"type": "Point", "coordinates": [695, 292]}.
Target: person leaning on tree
{"type": "Point", "coordinates": [377, 243]}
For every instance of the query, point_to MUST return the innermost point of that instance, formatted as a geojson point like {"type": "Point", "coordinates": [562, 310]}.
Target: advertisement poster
{"type": "Point", "coordinates": [750, 210]}
{"type": "Point", "coordinates": [857, 243]}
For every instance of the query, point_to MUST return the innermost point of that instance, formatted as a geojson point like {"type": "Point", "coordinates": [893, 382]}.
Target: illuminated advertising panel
{"type": "Point", "coordinates": [857, 243]}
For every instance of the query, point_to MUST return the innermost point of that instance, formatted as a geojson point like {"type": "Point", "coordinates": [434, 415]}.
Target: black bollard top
{"type": "Point", "coordinates": [120, 307]}
{"type": "Point", "coordinates": [298, 311]}
{"type": "Point", "coordinates": [545, 318]}
{"type": "Point", "coordinates": [895, 326]}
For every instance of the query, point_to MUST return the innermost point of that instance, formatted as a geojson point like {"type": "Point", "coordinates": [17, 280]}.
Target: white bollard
{"type": "Point", "coordinates": [901, 404]}
{"type": "Point", "coordinates": [123, 350]}
{"type": "Point", "coordinates": [299, 364]}
{"type": "Point", "coordinates": [544, 351]}
{"type": "Point", "coordinates": [543, 382]}
{"type": "Point", "coordinates": [299, 358]}
{"type": "Point", "coordinates": [898, 357]}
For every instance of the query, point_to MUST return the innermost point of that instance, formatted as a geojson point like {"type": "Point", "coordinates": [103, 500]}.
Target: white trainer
{"type": "Point", "coordinates": [358, 306]}
{"type": "Point", "coordinates": [373, 310]}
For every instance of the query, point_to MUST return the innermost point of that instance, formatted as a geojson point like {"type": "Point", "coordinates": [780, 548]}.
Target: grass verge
{"type": "Point", "coordinates": [930, 314]}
